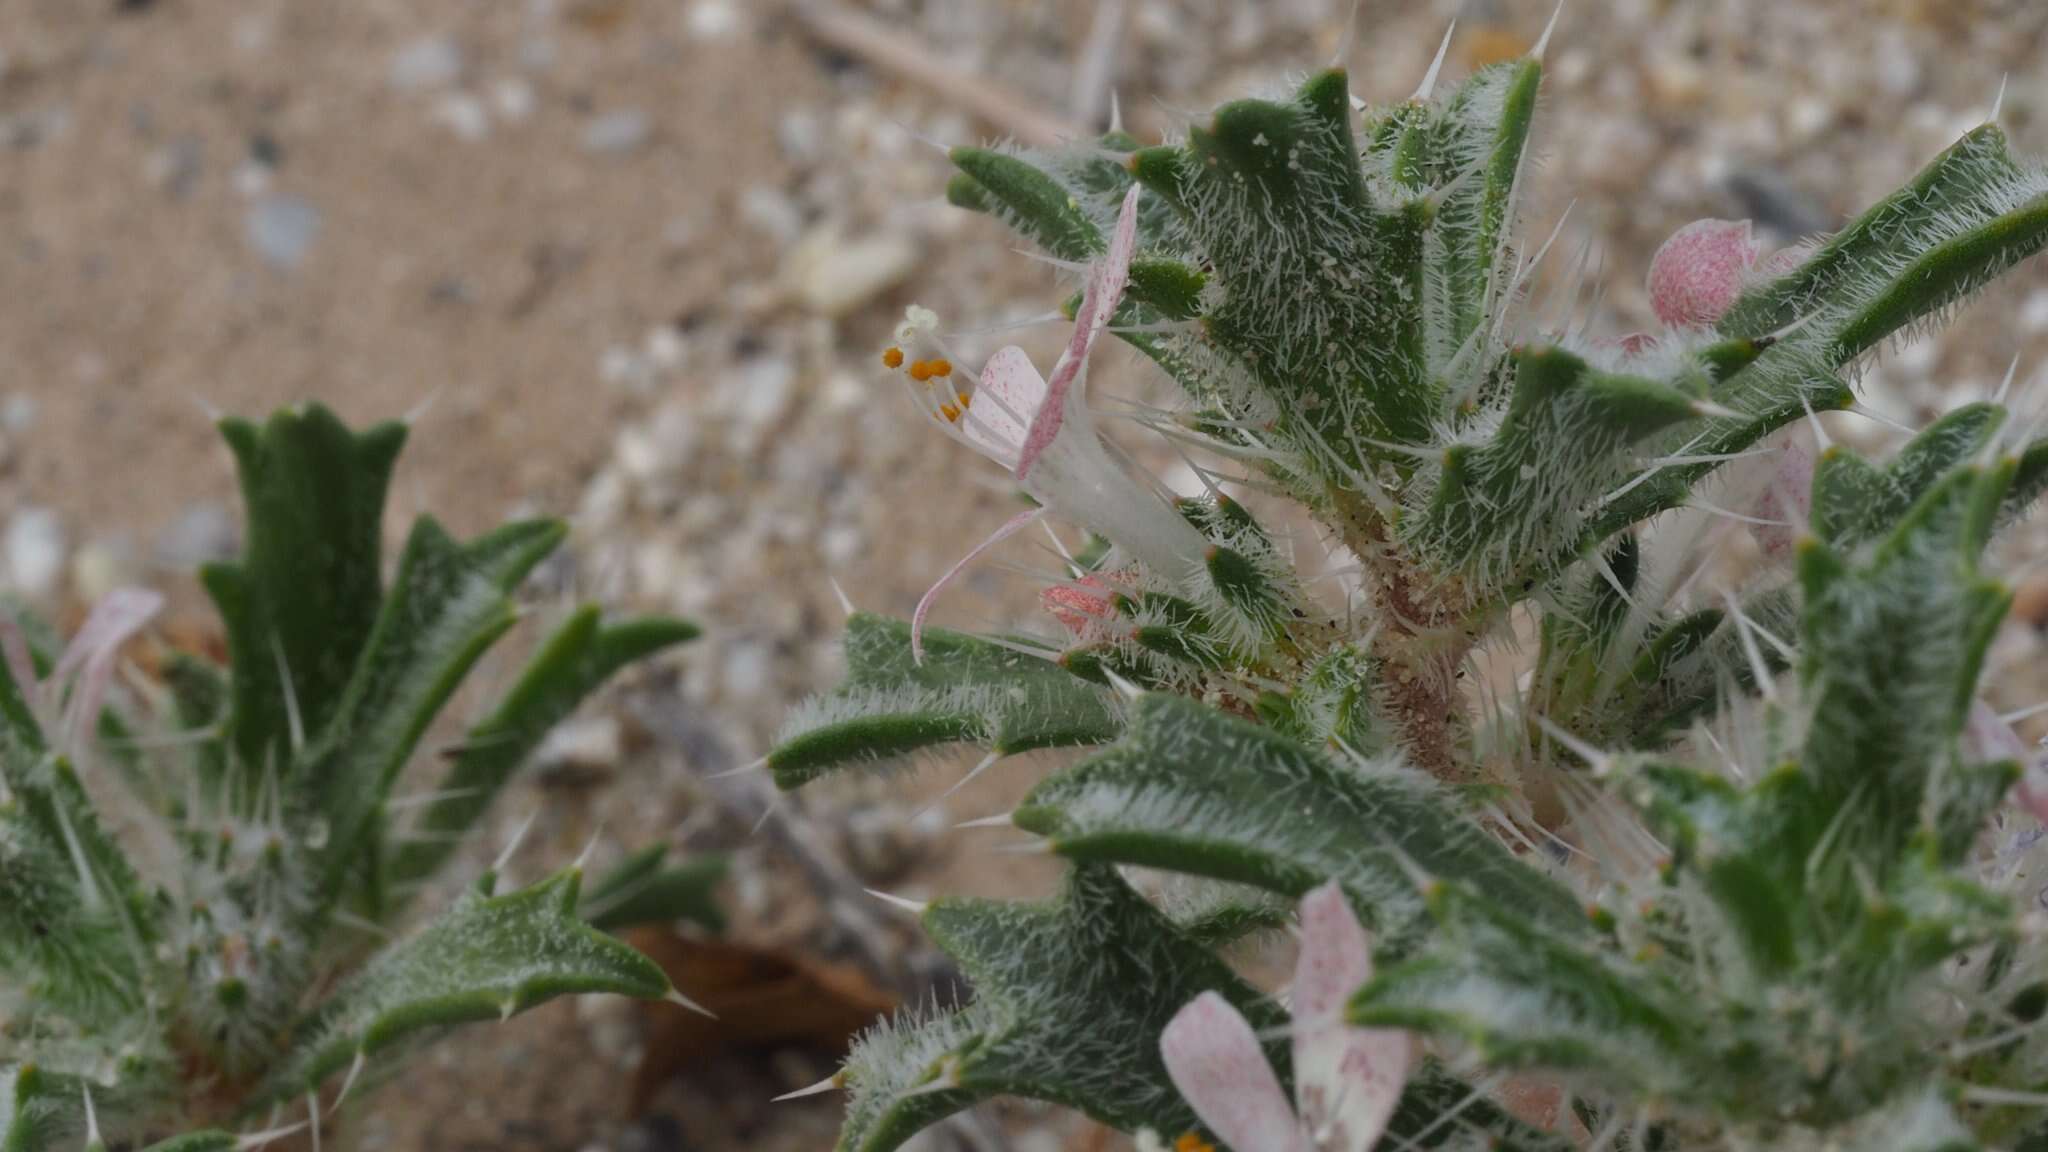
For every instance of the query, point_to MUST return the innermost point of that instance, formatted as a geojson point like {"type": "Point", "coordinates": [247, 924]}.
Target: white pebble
{"type": "Point", "coordinates": [18, 412]}
{"type": "Point", "coordinates": [282, 228]}
{"type": "Point", "coordinates": [617, 133]}
{"type": "Point", "coordinates": [832, 276]}
{"type": "Point", "coordinates": [429, 62]}
{"type": "Point", "coordinates": [514, 99]}
{"type": "Point", "coordinates": [2034, 311]}
{"type": "Point", "coordinates": [747, 671]}
{"type": "Point", "coordinates": [101, 566]}
{"type": "Point", "coordinates": [35, 551]}
{"type": "Point", "coordinates": [712, 20]}
{"type": "Point", "coordinates": [464, 115]}
{"type": "Point", "coordinates": [770, 211]}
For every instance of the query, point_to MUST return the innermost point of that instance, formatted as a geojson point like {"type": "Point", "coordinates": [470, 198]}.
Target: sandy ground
{"type": "Point", "coordinates": [628, 260]}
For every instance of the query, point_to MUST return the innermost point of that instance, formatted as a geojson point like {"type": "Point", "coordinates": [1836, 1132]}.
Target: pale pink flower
{"type": "Point", "coordinates": [1347, 1080]}
{"type": "Point", "coordinates": [1040, 429]}
{"type": "Point", "coordinates": [67, 704]}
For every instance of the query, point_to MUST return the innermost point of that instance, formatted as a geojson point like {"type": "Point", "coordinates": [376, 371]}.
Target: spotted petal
{"type": "Point", "coordinates": [1067, 390]}
{"type": "Point", "coordinates": [1347, 1080]}
{"type": "Point", "coordinates": [1007, 399]}
{"type": "Point", "coordinates": [1215, 1060]}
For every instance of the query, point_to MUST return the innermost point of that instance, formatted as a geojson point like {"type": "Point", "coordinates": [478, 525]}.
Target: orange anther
{"type": "Point", "coordinates": [965, 400]}
{"type": "Point", "coordinates": [920, 370]}
{"type": "Point", "coordinates": [951, 413]}
{"type": "Point", "coordinates": [892, 357]}
{"type": "Point", "coordinates": [941, 367]}
{"type": "Point", "coordinates": [1189, 1142]}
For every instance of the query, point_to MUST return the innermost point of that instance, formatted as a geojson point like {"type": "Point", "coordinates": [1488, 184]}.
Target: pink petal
{"type": "Point", "coordinates": [1105, 289]}
{"type": "Point", "coordinates": [90, 656]}
{"type": "Point", "coordinates": [1699, 272]}
{"type": "Point", "coordinates": [1009, 528]}
{"type": "Point", "coordinates": [1215, 1060]}
{"type": "Point", "coordinates": [1789, 499]}
{"type": "Point", "coordinates": [1347, 1080]}
{"type": "Point", "coordinates": [1007, 397]}
{"type": "Point", "coordinates": [1987, 738]}
{"type": "Point", "coordinates": [1336, 956]}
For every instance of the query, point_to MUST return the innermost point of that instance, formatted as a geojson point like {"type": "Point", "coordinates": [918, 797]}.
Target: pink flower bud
{"type": "Point", "coordinates": [1700, 270]}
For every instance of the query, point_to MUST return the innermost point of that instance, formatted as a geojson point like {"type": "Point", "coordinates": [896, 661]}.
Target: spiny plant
{"type": "Point", "coordinates": [206, 880]}
{"type": "Point", "coordinates": [1729, 863]}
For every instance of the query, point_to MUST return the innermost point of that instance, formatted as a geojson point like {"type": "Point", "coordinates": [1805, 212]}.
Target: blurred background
{"type": "Point", "coordinates": [629, 261]}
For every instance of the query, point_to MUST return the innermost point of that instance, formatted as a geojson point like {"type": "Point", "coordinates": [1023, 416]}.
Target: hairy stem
{"type": "Point", "coordinates": [1423, 639]}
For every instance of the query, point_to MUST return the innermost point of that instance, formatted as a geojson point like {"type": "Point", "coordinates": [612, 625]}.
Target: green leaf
{"type": "Point", "coordinates": [1433, 1094]}
{"type": "Point", "coordinates": [487, 958]}
{"type": "Point", "coordinates": [76, 931]}
{"type": "Point", "coordinates": [448, 604]}
{"type": "Point", "coordinates": [1074, 1025]}
{"type": "Point", "coordinates": [1319, 296]}
{"type": "Point", "coordinates": [1334, 702]}
{"type": "Point", "coordinates": [641, 891]}
{"type": "Point", "coordinates": [199, 702]}
{"type": "Point", "coordinates": [1513, 503]}
{"type": "Point", "coordinates": [579, 657]}
{"type": "Point", "coordinates": [1029, 197]}
{"type": "Point", "coordinates": [1892, 651]}
{"type": "Point", "coordinates": [1523, 998]}
{"type": "Point", "coordinates": [1855, 501]}
{"type": "Point", "coordinates": [1189, 789]}
{"type": "Point", "coordinates": [305, 594]}
{"type": "Point", "coordinates": [1471, 144]}
{"type": "Point", "coordinates": [1969, 215]}
{"type": "Point", "coordinates": [967, 690]}
{"type": "Point", "coordinates": [37, 1108]}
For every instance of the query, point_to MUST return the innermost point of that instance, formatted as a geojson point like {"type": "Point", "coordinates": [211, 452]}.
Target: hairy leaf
{"type": "Point", "coordinates": [1191, 790]}
{"type": "Point", "coordinates": [487, 958]}
{"type": "Point", "coordinates": [1070, 998]}
{"type": "Point", "coordinates": [966, 690]}
{"type": "Point", "coordinates": [578, 658]}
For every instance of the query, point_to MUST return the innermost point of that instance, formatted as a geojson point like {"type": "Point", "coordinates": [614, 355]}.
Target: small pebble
{"type": "Point", "coordinates": [617, 133]}
{"type": "Point", "coordinates": [514, 99]}
{"type": "Point", "coordinates": [709, 20]}
{"type": "Point", "coordinates": [203, 532]}
{"type": "Point", "coordinates": [591, 744]}
{"type": "Point", "coordinates": [833, 276]}
{"type": "Point", "coordinates": [100, 566]}
{"type": "Point", "coordinates": [770, 211]}
{"type": "Point", "coordinates": [35, 551]}
{"type": "Point", "coordinates": [429, 62]}
{"type": "Point", "coordinates": [18, 412]}
{"type": "Point", "coordinates": [464, 115]}
{"type": "Point", "coordinates": [282, 228]}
